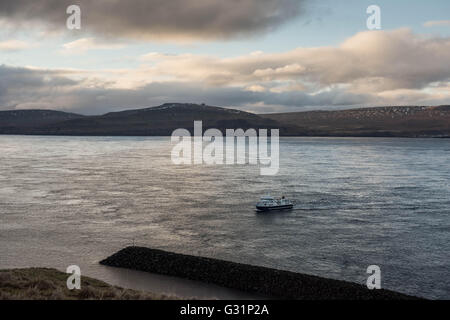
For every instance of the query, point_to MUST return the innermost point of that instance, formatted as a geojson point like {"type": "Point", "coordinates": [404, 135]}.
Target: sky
{"type": "Point", "coordinates": [255, 55]}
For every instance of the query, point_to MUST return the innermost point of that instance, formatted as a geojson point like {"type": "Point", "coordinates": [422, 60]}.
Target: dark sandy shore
{"type": "Point", "coordinates": [261, 280]}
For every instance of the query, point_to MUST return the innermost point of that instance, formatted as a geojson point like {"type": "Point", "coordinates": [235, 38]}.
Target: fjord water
{"type": "Point", "coordinates": [360, 202]}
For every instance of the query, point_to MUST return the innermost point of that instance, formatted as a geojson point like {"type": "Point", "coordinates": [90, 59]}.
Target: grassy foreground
{"type": "Point", "coordinates": [50, 284]}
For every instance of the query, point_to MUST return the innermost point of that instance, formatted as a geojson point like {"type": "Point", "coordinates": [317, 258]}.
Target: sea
{"type": "Point", "coordinates": [359, 202]}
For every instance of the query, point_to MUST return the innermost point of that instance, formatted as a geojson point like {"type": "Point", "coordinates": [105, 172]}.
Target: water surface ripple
{"type": "Point", "coordinates": [361, 201]}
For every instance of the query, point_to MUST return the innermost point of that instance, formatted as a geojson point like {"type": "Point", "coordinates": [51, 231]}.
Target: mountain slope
{"type": "Point", "coordinates": [18, 121]}
{"type": "Point", "coordinates": [378, 121]}
{"type": "Point", "coordinates": [164, 119]}
{"type": "Point", "coordinates": [161, 120]}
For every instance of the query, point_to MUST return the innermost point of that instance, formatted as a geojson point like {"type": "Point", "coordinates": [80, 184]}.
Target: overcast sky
{"type": "Point", "coordinates": [255, 55]}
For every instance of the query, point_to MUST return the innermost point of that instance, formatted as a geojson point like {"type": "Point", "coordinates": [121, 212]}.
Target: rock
{"type": "Point", "coordinates": [261, 280]}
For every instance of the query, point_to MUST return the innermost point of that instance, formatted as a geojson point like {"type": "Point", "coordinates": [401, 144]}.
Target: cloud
{"type": "Point", "coordinates": [158, 19]}
{"type": "Point", "coordinates": [368, 62]}
{"type": "Point", "coordinates": [255, 88]}
{"type": "Point", "coordinates": [370, 68]}
{"type": "Point", "coordinates": [26, 85]}
{"type": "Point", "coordinates": [437, 23]}
{"type": "Point", "coordinates": [84, 44]}
{"type": "Point", "coordinates": [24, 88]}
{"type": "Point", "coordinates": [14, 45]}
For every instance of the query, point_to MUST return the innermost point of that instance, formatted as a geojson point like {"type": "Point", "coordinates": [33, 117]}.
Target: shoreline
{"type": "Point", "coordinates": [270, 282]}
{"type": "Point", "coordinates": [51, 284]}
{"type": "Point", "coordinates": [281, 136]}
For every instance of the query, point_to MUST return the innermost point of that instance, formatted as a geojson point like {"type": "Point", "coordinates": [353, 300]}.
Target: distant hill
{"type": "Point", "coordinates": [22, 120]}
{"type": "Point", "coordinates": [162, 120]}
{"type": "Point", "coordinates": [154, 121]}
{"type": "Point", "coordinates": [379, 121]}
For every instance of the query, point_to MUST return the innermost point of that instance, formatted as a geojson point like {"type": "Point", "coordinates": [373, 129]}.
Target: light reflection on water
{"type": "Point", "coordinates": [362, 201]}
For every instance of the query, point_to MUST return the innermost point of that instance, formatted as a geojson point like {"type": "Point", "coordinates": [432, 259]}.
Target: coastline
{"type": "Point", "coordinates": [274, 283]}
{"type": "Point", "coordinates": [376, 135]}
{"type": "Point", "coordinates": [50, 284]}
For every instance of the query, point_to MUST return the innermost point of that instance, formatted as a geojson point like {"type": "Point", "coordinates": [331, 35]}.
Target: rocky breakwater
{"type": "Point", "coordinates": [261, 280]}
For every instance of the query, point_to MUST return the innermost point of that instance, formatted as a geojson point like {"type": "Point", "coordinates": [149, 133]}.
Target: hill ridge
{"type": "Point", "coordinates": [162, 120]}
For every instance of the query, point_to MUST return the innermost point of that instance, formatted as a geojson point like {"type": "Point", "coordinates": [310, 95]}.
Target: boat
{"type": "Point", "coordinates": [269, 204]}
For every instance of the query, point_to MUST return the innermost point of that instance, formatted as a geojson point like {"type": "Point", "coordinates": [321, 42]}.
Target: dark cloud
{"type": "Point", "coordinates": [23, 88]}
{"type": "Point", "coordinates": [150, 19]}
{"type": "Point", "coordinates": [23, 85]}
